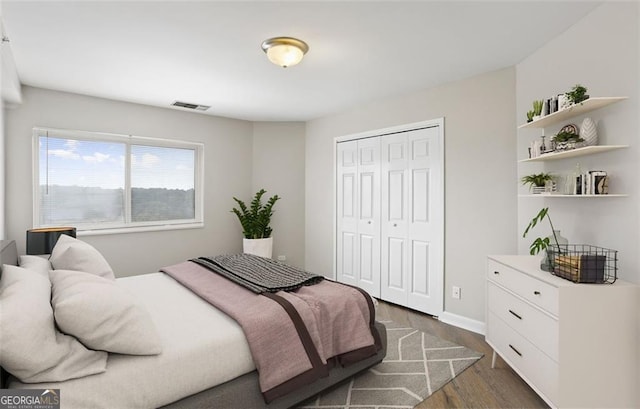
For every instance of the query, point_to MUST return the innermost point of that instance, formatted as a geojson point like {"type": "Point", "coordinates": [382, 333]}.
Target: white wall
{"type": "Point", "coordinates": [228, 170]}
{"type": "Point", "coordinates": [480, 176]}
{"type": "Point", "coordinates": [278, 167]}
{"type": "Point", "coordinates": [601, 53]}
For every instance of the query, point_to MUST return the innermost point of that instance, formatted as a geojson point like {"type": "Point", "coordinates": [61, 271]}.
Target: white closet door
{"type": "Point", "coordinates": [358, 214]}
{"type": "Point", "coordinates": [394, 223]}
{"type": "Point", "coordinates": [369, 215]}
{"type": "Point", "coordinates": [412, 226]}
{"type": "Point", "coordinates": [425, 223]}
{"type": "Point", "coordinates": [346, 212]}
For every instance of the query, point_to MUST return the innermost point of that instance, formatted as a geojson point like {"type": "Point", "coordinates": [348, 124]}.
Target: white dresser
{"type": "Point", "coordinates": [576, 345]}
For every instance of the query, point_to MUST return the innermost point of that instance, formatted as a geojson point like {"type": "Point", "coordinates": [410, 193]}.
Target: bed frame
{"type": "Point", "coordinates": [244, 391]}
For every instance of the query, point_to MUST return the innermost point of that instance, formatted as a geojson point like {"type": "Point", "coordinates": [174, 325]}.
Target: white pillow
{"type": "Point", "coordinates": [73, 254]}
{"type": "Point", "coordinates": [36, 263]}
{"type": "Point", "coordinates": [101, 314]}
{"type": "Point", "coordinates": [30, 346]}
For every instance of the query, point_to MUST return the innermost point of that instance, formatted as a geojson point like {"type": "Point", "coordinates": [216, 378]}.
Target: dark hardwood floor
{"type": "Point", "coordinates": [477, 387]}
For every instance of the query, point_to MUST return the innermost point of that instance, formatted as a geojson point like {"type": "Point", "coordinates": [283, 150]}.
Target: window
{"type": "Point", "coordinates": [105, 182]}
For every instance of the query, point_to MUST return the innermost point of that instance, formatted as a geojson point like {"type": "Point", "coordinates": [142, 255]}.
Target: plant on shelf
{"type": "Point", "coordinates": [529, 116]}
{"type": "Point", "coordinates": [577, 94]}
{"type": "Point", "coordinates": [255, 220]}
{"type": "Point", "coordinates": [537, 107]}
{"type": "Point", "coordinates": [564, 136]}
{"type": "Point", "coordinates": [537, 179]}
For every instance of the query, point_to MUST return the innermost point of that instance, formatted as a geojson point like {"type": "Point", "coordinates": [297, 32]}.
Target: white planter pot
{"type": "Point", "coordinates": [258, 247]}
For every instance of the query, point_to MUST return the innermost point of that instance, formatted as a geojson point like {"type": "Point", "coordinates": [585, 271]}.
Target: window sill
{"type": "Point", "coordinates": [139, 229]}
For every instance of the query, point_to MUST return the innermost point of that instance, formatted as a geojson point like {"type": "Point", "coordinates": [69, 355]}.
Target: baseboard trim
{"type": "Point", "coordinates": [463, 322]}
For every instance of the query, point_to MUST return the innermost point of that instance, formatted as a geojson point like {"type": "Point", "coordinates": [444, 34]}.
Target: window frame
{"type": "Point", "coordinates": [127, 226]}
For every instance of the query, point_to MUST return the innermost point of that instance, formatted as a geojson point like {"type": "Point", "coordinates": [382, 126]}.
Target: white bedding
{"type": "Point", "coordinates": [202, 348]}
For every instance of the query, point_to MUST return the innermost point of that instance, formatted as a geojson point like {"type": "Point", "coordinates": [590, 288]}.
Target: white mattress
{"type": "Point", "coordinates": [202, 347]}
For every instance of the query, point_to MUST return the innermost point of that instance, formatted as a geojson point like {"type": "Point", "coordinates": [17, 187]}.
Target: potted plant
{"type": "Point", "coordinates": [577, 94]}
{"type": "Point", "coordinates": [255, 222]}
{"type": "Point", "coordinates": [564, 140]}
{"type": "Point", "coordinates": [529, 116]}
{"type": "Point", "coordinates": [537, 182]}
{"type": "Point", "coordinates": [540, 244]}
{"type": "Point", "coordinates": [537, 109]}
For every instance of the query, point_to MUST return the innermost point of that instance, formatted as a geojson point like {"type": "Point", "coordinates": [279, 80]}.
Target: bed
{"type": "Point", "coordinates": [205, 359]}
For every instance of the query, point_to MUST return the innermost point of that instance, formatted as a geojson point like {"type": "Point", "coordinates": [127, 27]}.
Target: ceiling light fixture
{"type": "Point", "coordinates": [285, 51]}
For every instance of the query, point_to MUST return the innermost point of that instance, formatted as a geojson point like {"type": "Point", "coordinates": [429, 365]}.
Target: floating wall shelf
{"type": "Point", "coordinates": [590, 104]}
{"type": "Point", "coordinates": [587, 150]}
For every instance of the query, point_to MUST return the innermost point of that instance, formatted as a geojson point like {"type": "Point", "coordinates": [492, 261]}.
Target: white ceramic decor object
{"type": "Point", "coordinates": [258, 247]}
{"type": "Point", "coordinates": [588, 132]}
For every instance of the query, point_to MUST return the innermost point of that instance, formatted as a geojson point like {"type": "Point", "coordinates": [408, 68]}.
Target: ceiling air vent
{"type": "Point", "coordinates": [187, 105]}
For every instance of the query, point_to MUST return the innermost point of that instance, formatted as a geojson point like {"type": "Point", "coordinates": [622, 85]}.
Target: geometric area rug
{"type": "Point", "coordinates": [417, 364]}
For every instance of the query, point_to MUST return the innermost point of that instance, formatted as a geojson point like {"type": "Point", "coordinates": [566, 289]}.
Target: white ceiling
{"type": "Point", "coordinates": [156, 52]}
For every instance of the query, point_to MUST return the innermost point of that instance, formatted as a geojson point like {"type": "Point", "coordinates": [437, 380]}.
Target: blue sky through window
{"type": "Point", "coordinates": [70, 162]}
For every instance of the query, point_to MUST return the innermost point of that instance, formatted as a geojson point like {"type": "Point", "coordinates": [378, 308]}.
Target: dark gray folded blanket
{"type": "Point", "coordinates": [258, 274]}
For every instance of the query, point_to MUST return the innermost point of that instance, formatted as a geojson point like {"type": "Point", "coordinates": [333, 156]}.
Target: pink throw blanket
{"type": "Point", "coordinates": [335, 320]}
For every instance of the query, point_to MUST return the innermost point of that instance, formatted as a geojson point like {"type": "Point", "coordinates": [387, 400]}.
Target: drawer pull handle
{"type": "Point", "coordinates": [515, 350]}
{"type": "Point", "coordinates": [515, 315]}
{"type": "Point", "coordinates": [496, 272]}
{"type": "Point", "coordinates": [536, 293]}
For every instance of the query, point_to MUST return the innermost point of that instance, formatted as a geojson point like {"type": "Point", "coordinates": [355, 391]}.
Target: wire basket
{"type": "Point", "coordinates": [583, 263]}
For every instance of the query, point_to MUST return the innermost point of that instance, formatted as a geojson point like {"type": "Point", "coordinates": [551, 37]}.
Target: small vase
{"type": "Point", "coordinates": [588, 132]}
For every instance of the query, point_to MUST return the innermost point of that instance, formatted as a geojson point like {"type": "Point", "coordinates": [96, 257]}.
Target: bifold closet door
{"type": "Point", "coordinates": [412, 222]}
{"type": "Point", "coordinates": [358, 214]}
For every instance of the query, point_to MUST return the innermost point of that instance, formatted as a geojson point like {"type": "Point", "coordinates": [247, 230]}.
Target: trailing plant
{"type": "Point", "coordinates": [255, 219]}
{"type": "Point", "coordinates": [577, 94]}
{"type": "Point", "coordinates": [529, 116]}
{"type": "Point", "coordinates": [537, 107]}
{"type": "Point", "coordinates": [540, 244]}
{"type": "Point", "coordinates": [537, 179]}
{"type": "Point", "coordinates": [564, 136]}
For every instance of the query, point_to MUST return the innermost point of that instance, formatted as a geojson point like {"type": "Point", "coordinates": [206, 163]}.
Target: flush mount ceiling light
{"type": "Point", "coordinates": [285, 51]}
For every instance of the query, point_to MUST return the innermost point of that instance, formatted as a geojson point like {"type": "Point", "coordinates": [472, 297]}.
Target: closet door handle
{"type": "Point", "coordinates": [395, 224]}
{"type": "Point", "coordinates": [515, 350]}
{"type": "Point", "coordinates": [496, 272]}
{"type": "Point", "coordinates": [536, 293]}
{"type": "Point", "coordinates": [369, 222]}
{"type": "Point", "coordinates": [515, 315]}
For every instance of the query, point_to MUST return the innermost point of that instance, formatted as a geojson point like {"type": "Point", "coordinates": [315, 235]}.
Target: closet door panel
{"type": "Point", "coordinates": [368, 215]}
{"type": "Point", "coordinates": [347, 266]}
{"type": "Point", "coordinates": [394, 286]}
{"type": "Point", "coordinates": [426, 224]}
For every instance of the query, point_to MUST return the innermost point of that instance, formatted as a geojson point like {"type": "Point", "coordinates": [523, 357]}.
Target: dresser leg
{"type": "Point", "coordinates": [493, 359]}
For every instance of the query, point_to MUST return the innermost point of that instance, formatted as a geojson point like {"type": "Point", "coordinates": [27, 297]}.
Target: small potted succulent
{"type": "Point", "coordinates": [537, 109]}
{"type": "Point", "coordinates": [564, 140]}
{"type": "Point", "coordinates": [537, 182]}
{"type": "Point", "coordinates": [577, 94]}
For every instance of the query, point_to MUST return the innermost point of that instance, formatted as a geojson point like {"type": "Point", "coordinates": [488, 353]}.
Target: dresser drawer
{"type": "Point", "coordinates": [539, 328]}
{"type": "Point", "coordinates": [535, 291]}
{"type": "Point", "coordinates": [529, 361]}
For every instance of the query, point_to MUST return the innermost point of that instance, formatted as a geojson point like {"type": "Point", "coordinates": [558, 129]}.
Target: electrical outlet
{"type": "Point", "coordinates": [456, 292]}
{"type": "Point", "coordinates": [282, 258]}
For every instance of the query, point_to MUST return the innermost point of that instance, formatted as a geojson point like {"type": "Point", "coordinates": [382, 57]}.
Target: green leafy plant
{"type": "Point", "coordinates": [540, 244]}
{"type": "Point", "coordinates": [577, 94]}
{"type": "Point", "coordinates": [537, 107]}
{"type": "Point", "coordinates": [255, 219]}
{"type": "Point", "coordinates": [537, 179]}
{"type": "Point", "coordinates": [529, 116]}
{"type": "Point", "coordinates": [564, 136]}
